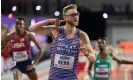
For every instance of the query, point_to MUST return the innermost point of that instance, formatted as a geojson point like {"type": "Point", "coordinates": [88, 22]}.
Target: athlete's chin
{"type": "Point", "coordinates": [75, 24]}
{"type": "Point", "coordinates": [20, 32]}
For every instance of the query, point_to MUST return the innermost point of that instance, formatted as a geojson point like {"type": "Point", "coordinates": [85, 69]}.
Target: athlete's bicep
{"type": "Point", "coordinates": [115, 58]}
{"type": "Point", "coordinates": [86, 41]}
{"type": "Point", "coordinates": [35, 41]}
{"type": "Point", "coordinates": [111, 51]}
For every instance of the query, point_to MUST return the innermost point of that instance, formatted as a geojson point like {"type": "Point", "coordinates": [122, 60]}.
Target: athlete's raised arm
{"type": "Point", "coordinates": [40, 28]}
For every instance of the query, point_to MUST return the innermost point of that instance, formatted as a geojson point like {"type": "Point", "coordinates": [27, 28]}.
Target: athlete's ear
{"type": "Point", "coordinates": [64, 17]}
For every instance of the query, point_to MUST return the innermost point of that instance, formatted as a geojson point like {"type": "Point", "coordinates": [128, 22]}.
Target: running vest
{"type": "Point", "coordinates": [20, 48]}
{"type": "Point", "coordinates": [102, 68]}
{"type": "Point", "coordinates": [64, 56]}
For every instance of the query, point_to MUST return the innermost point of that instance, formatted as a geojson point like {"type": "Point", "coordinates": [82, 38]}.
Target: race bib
{"type": "Point", "coordinates": [64, 62]}
{"type": "Point", "coordinates": [102, 72]}
{"type": "Point", "coordinates": [82, 59]}
{"type": "Point", "coordinates": [20, 56]}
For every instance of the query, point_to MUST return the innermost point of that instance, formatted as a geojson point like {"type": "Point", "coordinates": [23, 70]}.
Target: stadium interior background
{"type": "Point", "coordinates": [98, 18]}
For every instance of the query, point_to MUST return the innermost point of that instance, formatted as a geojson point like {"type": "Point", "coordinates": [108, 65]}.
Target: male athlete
{"type": "Point", "coordinates": [5, 58]}
{"type": "Point", "coordinates": [102, 64]}
{"type": "Point", "coordinates": [66, 47]}
{"type": "Point", "coordinates": [20, 45]}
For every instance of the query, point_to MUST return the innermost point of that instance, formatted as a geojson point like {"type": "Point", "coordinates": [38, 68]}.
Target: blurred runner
{"type": "Point", "coordinates": [20, 45]}
{"type": "Point", "coordinates": [82, 66]}
{"type": "Point", "coordinates": [103, 64]}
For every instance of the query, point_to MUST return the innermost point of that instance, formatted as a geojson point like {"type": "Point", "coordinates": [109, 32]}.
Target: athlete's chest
{"type": "Point", "coordinates": [102, 63]}
{"type": "Point", "coordinates": [19, 42]}
{"type": "Point", "coordinates": [66, 43]}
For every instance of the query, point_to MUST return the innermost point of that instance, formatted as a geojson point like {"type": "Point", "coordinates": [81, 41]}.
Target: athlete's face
{"type": "Point", "coordinates": [20, 26]}
{"type": "Point", "coordinates": [72, 17]}
{"type": "Point", "coordinates": [102, 44]}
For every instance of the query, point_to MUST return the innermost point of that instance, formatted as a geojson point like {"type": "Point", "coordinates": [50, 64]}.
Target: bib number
{"type": "Point", "coordinates": [64, 62]}
{"type": "Point", "coordinates": [20, 56]}
{"type": "Point", "coordinates": [102, 72]}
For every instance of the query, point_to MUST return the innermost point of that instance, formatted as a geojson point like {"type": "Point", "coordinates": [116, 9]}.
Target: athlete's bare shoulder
{"type": "Point", "coordinates": [84, 37]}
{"type": "Point", "coordinates": [27, 32]}
{"type": "Point", "coordinates": [28, 35]}
{"type": "Point", "coordinates": [12, 32]}
{"type": "Point", "coordinates": [82, 33]}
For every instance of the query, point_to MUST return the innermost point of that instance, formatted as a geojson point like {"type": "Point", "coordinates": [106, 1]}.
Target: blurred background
{"type": "Point", "coordinates": [98, 18]}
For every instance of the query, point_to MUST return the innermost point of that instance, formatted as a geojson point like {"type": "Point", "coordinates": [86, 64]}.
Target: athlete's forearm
{"type": "Point", "coordinates": [37, 25]}
{"type": "Point", "coordinates": [90, 66]}
{"type": "Point", "coordinates": [37, 58]}
{"type": "Point", "coordinates": [126, 62]}
{"type": "Point", "coordinates": [114, 58]}
{"type": "Point", "coordinates": [91, 57]}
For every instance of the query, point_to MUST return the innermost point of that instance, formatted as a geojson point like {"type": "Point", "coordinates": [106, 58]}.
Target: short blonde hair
{"type": "Point", "coordinates": [68, 7]}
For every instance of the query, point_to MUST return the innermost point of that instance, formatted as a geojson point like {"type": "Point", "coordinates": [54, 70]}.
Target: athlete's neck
{"type": "Point", "coordinates": [19, 33]}
{"type": "Point", "coordinates": [69, 28]}
{"type": "Point", "coordinates": [103, 52]}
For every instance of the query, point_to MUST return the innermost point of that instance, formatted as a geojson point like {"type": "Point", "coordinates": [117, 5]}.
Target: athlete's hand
{"type": "Point", "coordinates": [55, 21]}
{"type": "Point", "coordinates": [52, 20]}
{"type": "Point", "coordinates": [83, 49]}
{"type": "Point", "coordinates": [30, 67]}
{"type": "Point", "coordinates": [90, 75]}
